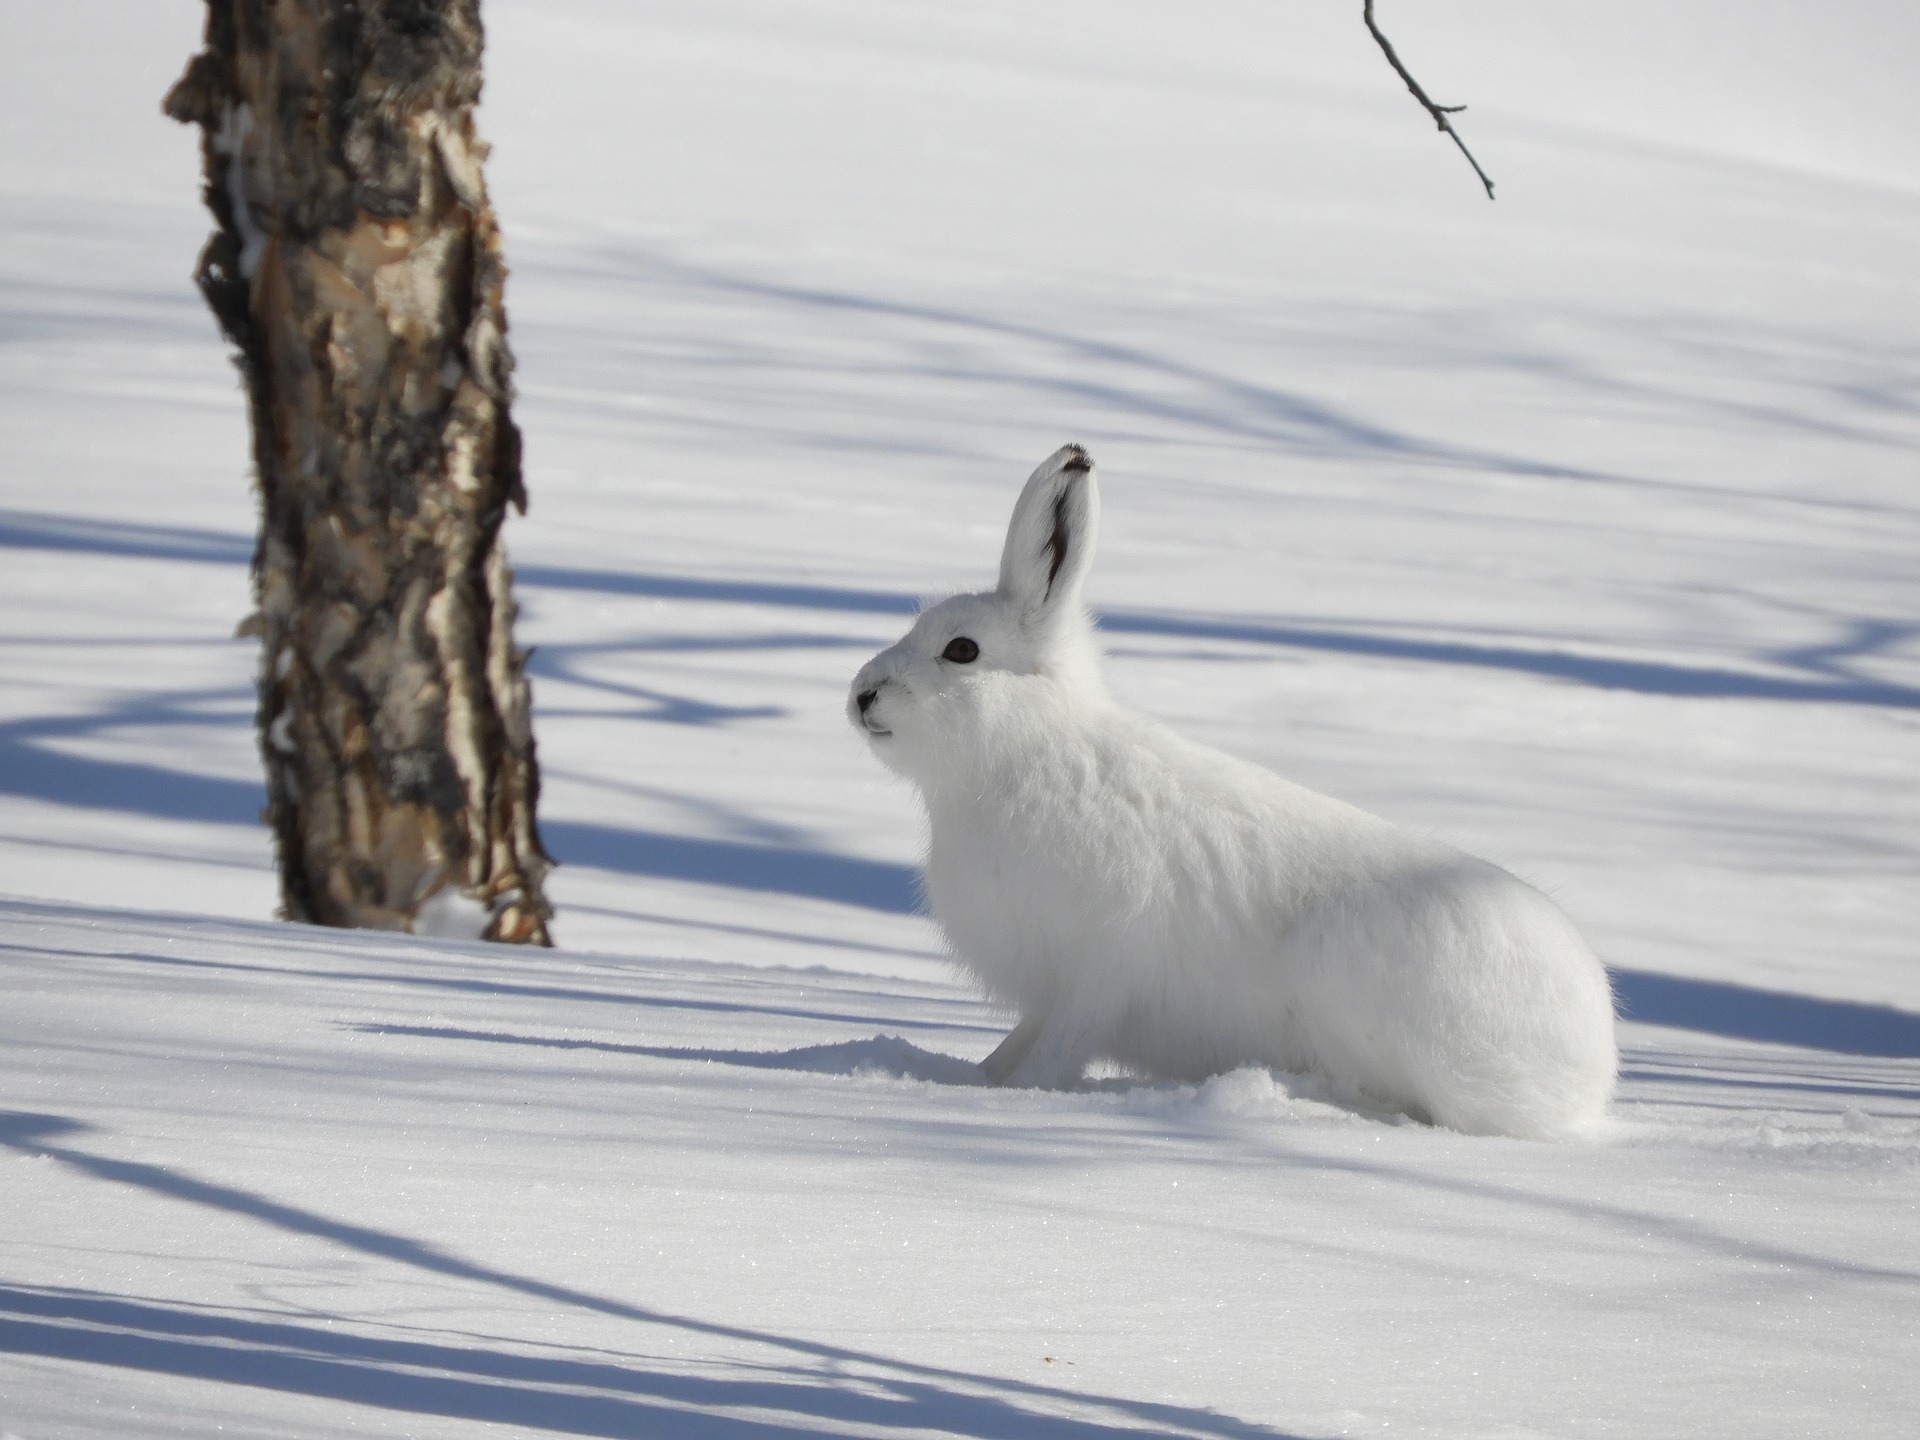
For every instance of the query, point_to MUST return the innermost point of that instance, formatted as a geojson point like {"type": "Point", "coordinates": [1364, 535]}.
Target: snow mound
{"type": "Point", "coordinates": [1251, 1093]}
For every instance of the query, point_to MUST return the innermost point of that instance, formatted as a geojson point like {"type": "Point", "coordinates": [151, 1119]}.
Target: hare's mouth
{"type": "Point", "coordinates": [875, 730]}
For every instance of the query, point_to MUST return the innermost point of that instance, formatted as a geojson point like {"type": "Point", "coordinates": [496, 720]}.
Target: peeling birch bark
{"type": "Point", "coordinates": [356, 267]}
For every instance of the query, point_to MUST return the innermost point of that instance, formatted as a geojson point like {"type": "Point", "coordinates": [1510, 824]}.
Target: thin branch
{"type": "Point", "coordinates": [1439, 112]}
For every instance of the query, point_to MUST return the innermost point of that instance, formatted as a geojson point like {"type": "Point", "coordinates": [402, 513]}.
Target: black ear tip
{"type": "Point", "coordinates": [1074, 459]}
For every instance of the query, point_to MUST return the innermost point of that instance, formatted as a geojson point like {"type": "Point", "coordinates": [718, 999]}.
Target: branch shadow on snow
{"type": "Point", "coordinates": [813, 1384]}
{"type": "Point", "coordinates": [30, 767]}
{"type": "Point", "coordinates": [1023, 361]}
{"type": "Point", "coordinates": [27, 769]}
{"type": "Point", "coordinates": [461, 984]}
{"type": "Point", "coordinates": [540, 1393]}
{"type": "Point", "coordinates": [1831, 679]}
{"type": "Point", "coordinates": [887, 1055]}
{"type": "Point", "coordinates": [1828, 673]}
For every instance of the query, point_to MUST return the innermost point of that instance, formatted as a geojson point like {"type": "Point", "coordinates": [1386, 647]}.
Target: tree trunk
{"type": "Point", "coordinates": [357, 268]}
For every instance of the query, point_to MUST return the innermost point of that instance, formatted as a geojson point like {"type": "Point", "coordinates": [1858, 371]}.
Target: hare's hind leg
{"type": "Point", "coordinates": [1040, 1054]}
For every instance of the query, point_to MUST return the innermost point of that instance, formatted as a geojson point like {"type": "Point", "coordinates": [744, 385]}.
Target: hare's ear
{"type": "Point", "coordinates": [1050, 539]}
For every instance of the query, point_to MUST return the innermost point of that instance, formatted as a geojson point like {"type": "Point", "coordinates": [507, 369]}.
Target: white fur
{"type": "Point", "coordinates": [1136, 896]}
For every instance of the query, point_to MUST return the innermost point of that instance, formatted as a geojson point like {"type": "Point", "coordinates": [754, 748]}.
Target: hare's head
{"type": "Point", "coordinates": [978, 665]}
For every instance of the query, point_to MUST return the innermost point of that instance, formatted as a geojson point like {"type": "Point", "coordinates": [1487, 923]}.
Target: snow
{"type": "Point", "coordinates": [300, 1182]}
{"type": "Point", "coordinates": [1579, 529]}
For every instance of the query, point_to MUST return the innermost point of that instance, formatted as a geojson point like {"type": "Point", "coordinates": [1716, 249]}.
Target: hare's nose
{"type": "Point", "coordinates": [865, 699]}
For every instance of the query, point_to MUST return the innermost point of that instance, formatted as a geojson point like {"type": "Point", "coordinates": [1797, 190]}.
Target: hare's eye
{"type": "Point", "coordinates": [961, 651]}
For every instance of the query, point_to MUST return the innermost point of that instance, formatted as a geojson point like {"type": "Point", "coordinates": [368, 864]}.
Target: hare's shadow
{"type": "Point", "coordinates": [887, 1055]}
{"type": "Point", "coordinates": [880, 1055]}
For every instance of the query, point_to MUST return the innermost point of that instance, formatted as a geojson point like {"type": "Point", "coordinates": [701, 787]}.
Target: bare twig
{"type": "Point", "coordinates": [1439, 112]}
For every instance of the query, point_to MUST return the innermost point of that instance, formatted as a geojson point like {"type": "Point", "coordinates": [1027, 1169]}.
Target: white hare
{"type": "Point", "coordinates": [1132, 895]}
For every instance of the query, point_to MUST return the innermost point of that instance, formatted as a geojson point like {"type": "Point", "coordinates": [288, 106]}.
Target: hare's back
{"type": "Point", "coordinates": [1460, 991]}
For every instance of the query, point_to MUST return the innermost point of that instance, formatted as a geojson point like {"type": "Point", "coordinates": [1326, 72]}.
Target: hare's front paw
{"type": "Point", "coordinates": [1008, 1054]}
{"type": "Point", "coordinates": [1039, 1054]}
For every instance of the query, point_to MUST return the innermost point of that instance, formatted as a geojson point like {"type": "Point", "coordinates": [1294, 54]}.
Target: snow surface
{"type": "Point", "coordinates": [1581, 529]}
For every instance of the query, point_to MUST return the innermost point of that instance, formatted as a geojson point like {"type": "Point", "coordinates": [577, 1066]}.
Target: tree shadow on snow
{"type": "Point", "coordinates": [778, 869]}
{"type": "Point", "coordinates": [36, 771]}
{"type": "Point", "coordinates": [33, 530]}
{"type": "Point", "coordinates": [1775, 1017]}
{"type": "Point", "coordinates": [813, 1387]}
